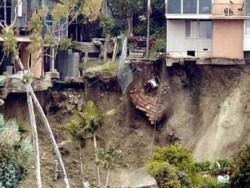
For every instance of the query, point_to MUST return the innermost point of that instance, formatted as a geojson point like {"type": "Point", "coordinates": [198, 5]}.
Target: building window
{"type": "Point", "coordinates": [206, 29]}
{"type": "Point", "coordinates": [49, 20]}
{"type": "Point", "coordinates": [247, 4]}
{"type": "Point", "coordinates": [190, 6]}
{"type": "Point", "coordinates": [199, 29]}
{"type": "Point", "coordinates": [205, 6]}
{"type": "Point", "coordinates": [8, 11]}
{"type": "Point", "coordinates": [192, 29]}
{"type": "Point", "coordinates": [174, 6]}
{"type": "Point", "coordinates": [247, 27]}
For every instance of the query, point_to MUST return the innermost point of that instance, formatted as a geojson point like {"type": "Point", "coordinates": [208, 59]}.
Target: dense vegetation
{"type": "Point", "coordinates": [15, 152]}
{"type": "Point", "coordinates": [241, 173]}
{"type": "Point", "coordinates": [173, 166]}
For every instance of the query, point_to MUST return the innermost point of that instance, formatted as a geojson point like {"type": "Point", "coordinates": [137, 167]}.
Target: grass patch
{"type": "Point", "coordinates": [109, 68]}
{"type": "Point", "coordinates": [91, 64]}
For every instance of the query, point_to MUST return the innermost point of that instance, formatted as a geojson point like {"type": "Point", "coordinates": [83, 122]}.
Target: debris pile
{"type": "Point", "coordinates": [146, 104]}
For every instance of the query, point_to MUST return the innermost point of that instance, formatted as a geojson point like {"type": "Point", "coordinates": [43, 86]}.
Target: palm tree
{"type": "Point", "coordinates": [93, 118]}
{"type": "Point", "coordinates": [76, 129]}
{"type": "Point", "coordinates": [88, 122]}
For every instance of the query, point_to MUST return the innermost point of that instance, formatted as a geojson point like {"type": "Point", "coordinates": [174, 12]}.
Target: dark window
{"type": "Point", "coordinates": [174, 6]}
{"type": "Point", "coordinates": [190, 6]}
{"type": "Point", "coordinates": [49, 20]}
{"type": "Point", "coordinates": [8, 11]}
{"type": "Point", "coordinates": [191, 53]}
{"type": "Point", "coordinates": [205, 7]}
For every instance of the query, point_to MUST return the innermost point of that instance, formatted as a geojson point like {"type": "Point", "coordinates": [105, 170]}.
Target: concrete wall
{"type": "Point", "coordinates": [220, 6]}
{"type": "Point", "coordinates": [228, 39]}
{"type": "Point", "coordinates": [227, 1]}
{"type": "Point", "coordinates": [178, 44]}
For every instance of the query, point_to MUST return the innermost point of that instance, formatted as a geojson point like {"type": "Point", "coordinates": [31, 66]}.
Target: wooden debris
{"type": "Point", "coordinates": [146, 104]}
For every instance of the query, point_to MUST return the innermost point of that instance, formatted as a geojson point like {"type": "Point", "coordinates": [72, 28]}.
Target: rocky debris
{"type": "Point", "coordinates": [70, 80]}
{"type": "Point", "coordinates": [146, 104]}
{"type": "Point", "coordinates": [136, 178]}
{"type": "Point", "coordinates": [67, 101]}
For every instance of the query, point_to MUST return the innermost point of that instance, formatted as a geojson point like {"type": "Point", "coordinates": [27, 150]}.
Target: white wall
{"type": "Point", "coordinates": [178, 44]}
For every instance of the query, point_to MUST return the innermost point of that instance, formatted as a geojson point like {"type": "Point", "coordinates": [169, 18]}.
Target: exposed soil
{"type": "Point", "coordinates": [206, 108]}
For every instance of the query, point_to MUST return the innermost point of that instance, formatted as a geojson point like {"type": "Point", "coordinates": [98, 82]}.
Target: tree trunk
{"type": "Point", "coordinates": [148, 33]}
{"type": "Point", "coordinates": [52, 60]}
{"type": "Point", "coordinates": [52, 138]}
{"type": "Point", "coordinates": [105, 7]}
{"type": "Point", "coordinates": [130, 26]}
{"type": "Point", "coordinates": [97, 165]}
{"type": "Point", "coordinates": [107, 180]}
{"type": "Point", "coordinates": [115, 50]}
{"type": "Point", "coordinates": [105, 48]}
{"type": "Point", "coordinates": [82, 176]}
{"type": "Point", "coordinates": [34, 136]}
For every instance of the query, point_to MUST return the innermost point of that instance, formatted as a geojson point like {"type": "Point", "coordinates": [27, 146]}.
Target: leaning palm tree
{"type": "Point", "coordinates": [93, 118]}
{"type": "Point", "coordinates": [76, 129]}
{"type": "Point", "coordinates": [88, 121]}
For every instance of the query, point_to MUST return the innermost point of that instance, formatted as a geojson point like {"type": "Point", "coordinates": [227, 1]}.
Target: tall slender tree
{"type": "Point", "coordinates": [53, 38]}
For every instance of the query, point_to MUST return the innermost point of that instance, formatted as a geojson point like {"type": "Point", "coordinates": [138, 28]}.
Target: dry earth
{"type": "Point", "coordinates": [206, 108]}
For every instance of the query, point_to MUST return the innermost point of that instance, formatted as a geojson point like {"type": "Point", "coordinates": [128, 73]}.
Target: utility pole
{"type": "Point", "coordinates": [148, 26]}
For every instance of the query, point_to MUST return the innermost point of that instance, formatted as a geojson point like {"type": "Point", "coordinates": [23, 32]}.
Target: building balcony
{"type": "Point", "coordinates": [229, 11]}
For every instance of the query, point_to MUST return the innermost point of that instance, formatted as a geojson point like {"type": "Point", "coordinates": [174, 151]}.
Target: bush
{"type": "Point", "coordinates": [241, 174]}
{"type": "Point", "coordinates": [173, 166]}
{"type": "Point", "coordinates": [209, 182]}
{"type": "Point", "coordinates": [165, 174]}
{"type": "Point", "coordinates": [176, 155]}
{"type": "Point", "coordinates": [214, 167]}
{"type": "Point", "coordinates": [14, 154]}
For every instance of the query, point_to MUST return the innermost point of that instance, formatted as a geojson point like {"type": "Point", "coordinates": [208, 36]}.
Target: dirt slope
{"type": "Point", "coordinates": [206, 108]}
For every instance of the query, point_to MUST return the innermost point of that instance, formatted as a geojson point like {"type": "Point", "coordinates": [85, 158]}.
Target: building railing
{"type": "Point", "coordinates": [228, 9]}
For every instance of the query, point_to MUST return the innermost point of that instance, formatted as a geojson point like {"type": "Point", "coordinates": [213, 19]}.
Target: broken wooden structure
{"type": "Point", "coordinates": [146, 104]}
{"type": "Point", "coordinates": [137, 47]}
{"type": "Point", "coordinates": [93, 51]}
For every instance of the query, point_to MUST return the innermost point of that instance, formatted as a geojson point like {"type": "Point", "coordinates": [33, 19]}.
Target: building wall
{"type": "Point", "coordinates": [178, 44]}
{"type": "Point", "coordinates": [220, 7]}
{"type": "Point", "coordinates": [227, 1]}
{"type": "Point", "coordinates": [228, 38]}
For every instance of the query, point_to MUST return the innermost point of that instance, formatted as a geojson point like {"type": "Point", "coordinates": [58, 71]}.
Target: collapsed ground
{"type": "Point", "coordinates": [206, 108]}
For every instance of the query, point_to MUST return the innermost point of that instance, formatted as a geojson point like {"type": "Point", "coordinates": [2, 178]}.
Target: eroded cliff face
{"type": "Point", "coordinates": [213, 116]}
{"type": "Point", "coordinates": [206, 108]}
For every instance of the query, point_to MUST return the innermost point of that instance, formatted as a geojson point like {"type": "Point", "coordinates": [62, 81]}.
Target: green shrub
{"type": "Point", "coordinates": [164, 173]}
{"type": "Point", "coordinates": [174, 166]}
{"type": "Point", "coordinates": [209, 182]}
{"type": "Point", "coordinates": [179, 158]}
{"type": "Point", "coordinates": [241, 174]}
{"type": "Point", "coordinates": [160, 45]}
{"type": "Point", "coordinates": [176, 155]}
{"type": "Point", "coordinates": [14, 154]}
{"type": "Point", "coordinates": [213, 166]}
